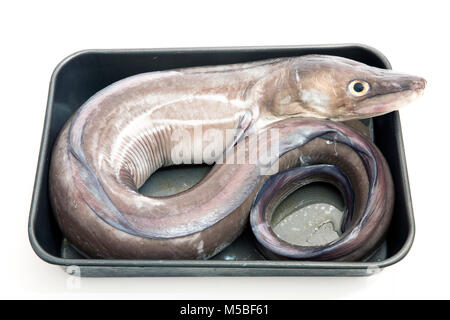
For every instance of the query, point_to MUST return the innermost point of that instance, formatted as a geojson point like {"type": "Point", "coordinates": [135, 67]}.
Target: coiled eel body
{"type": "Point", "coordinates": [125, 132]}
{"type": "Point", "coordinates": [364, 225]}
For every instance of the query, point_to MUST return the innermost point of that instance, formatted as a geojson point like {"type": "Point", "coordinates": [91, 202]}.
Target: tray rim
{"type": "Point", "coordinates": [269, 264]}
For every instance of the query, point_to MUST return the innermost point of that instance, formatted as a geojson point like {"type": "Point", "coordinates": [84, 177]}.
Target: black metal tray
{"type": "Point", "coordinates": [84, 73]}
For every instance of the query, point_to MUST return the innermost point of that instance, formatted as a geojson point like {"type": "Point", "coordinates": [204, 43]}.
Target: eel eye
{"type": "Point", "coordinates": [358, 88]}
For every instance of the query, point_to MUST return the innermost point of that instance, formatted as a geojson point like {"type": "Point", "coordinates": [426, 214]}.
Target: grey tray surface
{"type": "Point", "coordinates": [82, 74]}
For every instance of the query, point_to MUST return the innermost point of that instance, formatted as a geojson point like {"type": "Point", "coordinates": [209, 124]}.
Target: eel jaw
{"type": "Point", "coordinates": [380, 104]}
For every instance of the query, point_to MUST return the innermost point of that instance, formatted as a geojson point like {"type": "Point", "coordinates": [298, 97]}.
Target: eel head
{"type": "Point", "coordinates": [337, 88]}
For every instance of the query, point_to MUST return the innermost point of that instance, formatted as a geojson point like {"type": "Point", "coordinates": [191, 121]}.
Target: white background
{"type": "Point", "coordinates": [36, 35]}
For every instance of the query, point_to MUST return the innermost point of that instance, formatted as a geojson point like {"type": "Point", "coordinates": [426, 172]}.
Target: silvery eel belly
{"type": "Point", "coordinates": [128, 130]}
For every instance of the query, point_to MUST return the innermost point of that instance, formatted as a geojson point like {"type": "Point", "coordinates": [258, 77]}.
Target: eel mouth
{"type": "Point", "coordinates": [384, 103]}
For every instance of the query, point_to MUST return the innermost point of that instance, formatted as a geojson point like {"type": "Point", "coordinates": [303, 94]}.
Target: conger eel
{"type": "Point", "coordinates": [130, 129]}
